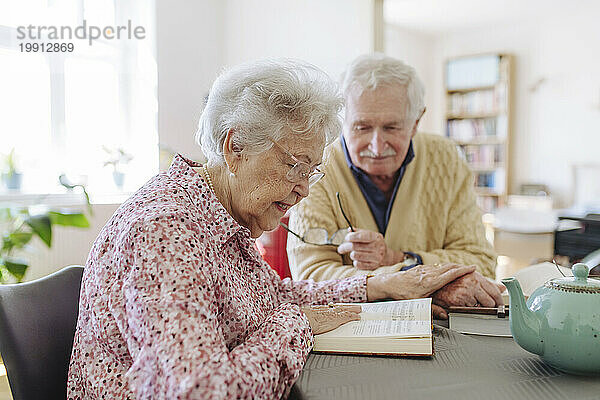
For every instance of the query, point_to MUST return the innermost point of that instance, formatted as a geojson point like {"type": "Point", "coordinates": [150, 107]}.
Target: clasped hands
{"type": "Point", "coordinates": [448, 285]}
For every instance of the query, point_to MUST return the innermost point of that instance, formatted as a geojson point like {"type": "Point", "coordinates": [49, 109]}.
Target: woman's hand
{"type": "Point", "coordinates": [328, 317]}
{"type": "Point", "coordinates": [418, 282]}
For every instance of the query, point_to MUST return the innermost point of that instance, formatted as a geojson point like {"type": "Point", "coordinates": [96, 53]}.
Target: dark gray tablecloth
{"type": "Point", "coordinates": [463, 367]}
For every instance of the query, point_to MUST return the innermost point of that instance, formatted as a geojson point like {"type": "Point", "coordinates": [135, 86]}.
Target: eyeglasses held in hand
{"type": "Point", "coordinates": [300, 170]}
{"type": "Point", "coordinates": [320, 236]}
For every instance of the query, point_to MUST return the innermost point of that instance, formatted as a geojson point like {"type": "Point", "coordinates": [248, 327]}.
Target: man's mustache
{"type": "Point", "coordinates": [389, 152]}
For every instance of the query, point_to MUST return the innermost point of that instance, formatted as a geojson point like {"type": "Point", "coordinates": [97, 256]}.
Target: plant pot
{"type": "Point", "coordinates": [119, 179]}
{"type": "Point", "coordinates": [12, 181]}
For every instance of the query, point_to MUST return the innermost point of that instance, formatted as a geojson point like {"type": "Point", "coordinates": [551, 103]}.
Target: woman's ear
{"type": "Point", "coordinates": [232, 152]}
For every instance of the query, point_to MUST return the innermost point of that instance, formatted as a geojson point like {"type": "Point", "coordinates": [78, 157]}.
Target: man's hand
{"type": "Point", "coordinates": [470, 290]}
{"type": "Point", "coordinates": [368, 250]}
{"type": "Point", "coordinates": [420, 281]}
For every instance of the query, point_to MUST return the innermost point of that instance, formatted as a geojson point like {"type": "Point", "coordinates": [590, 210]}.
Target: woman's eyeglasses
{"type": "Point", "coordinates": [300, 170]}
{"type": "Point", "coordinates": [320, 236]}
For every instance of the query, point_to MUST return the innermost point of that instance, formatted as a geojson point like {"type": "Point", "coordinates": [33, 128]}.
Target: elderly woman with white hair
{"type": "Point", "coordinates": [175, 301]}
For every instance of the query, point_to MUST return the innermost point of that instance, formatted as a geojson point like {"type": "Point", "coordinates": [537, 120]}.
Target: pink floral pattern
{"type": "Point", "coordinates": [177, 304]}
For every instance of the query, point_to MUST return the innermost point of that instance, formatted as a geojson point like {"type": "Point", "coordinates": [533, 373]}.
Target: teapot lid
{"type": "Point", "coordinates": [578, 283]}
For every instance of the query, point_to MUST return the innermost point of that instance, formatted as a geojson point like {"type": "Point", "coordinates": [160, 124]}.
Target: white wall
{"type": "Point", "coordinates": [190, 54]}
{"type": "Point", "coordinates": [327, 33]}
{"type": "Point", "coordinates": [555, 124]}
{"type": "Point", "coordinates": [417, 50]}
{"type": "Point", "coordinates": [197, 39]}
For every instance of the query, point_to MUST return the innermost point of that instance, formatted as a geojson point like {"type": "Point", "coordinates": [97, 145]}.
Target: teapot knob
{"type": "Point", "coordinates": [580, 271]}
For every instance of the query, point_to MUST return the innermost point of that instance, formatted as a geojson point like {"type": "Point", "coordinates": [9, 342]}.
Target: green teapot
{"type": "Point", "coordinates": [560, 321]}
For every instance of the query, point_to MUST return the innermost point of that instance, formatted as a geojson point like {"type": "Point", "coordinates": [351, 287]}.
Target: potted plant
{"type": "Point", "coordinates": [117, 158]}
{"type": "Point", "coordinates": [66, 183]}
{"type": "Point", "coordinates": [11, 177]}
{"type": "Point", "coordinates": [18, 227]}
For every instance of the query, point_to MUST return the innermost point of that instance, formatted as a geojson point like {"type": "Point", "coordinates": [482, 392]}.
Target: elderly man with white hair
{"type": "Point", "coordinates": [391, 199]}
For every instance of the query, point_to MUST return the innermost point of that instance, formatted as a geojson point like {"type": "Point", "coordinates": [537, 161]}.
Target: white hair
{"type": "Point", "coordinates": [265, 100]}
{"type": "Point", "coordinates": [370, 71]}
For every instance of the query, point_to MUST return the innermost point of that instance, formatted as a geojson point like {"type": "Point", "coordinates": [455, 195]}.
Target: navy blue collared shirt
{"type": "Point", "coordinates": [380, 207]}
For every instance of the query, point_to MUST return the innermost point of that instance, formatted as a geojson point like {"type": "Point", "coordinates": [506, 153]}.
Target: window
{"type": "Point", "coordinates": [60, 110]}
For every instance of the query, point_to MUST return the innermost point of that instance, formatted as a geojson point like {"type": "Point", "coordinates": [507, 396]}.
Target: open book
{"type": "Point", "coordinates": [386, 328]}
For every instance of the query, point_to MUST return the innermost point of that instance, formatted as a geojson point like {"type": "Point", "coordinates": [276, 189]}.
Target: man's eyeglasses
{"type": "Point", "coordinates": [300, 170]}
{"type": "Point", "coordinates": [320, 236]}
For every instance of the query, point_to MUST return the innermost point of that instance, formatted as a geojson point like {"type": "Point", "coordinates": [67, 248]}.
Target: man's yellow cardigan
{"type": "Point", "coordinates": [434, 214]}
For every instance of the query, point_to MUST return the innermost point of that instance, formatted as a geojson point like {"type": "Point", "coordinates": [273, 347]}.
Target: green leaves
{"type": "Point", "coordinates": [19, 228]}
{"type": "Point", "coordinates": [78, 220]}
{"type": "Point", "coordinates": [16, 269]}
{"type": "Point", "coordinates": [18, 239]}
{"type": "Point", "coordinates": [5, 214]}
{"type": "Point", "coordinates": [41, 225]}
{"type": "Point", "coordinates": [66, 183]}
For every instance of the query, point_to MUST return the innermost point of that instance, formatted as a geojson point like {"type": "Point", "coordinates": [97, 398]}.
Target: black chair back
{"type": "Point", "coordinates": [37, 326]}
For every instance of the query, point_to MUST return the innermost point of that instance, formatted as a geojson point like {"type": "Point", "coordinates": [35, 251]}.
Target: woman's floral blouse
{"type": "Point", "coordinates": [177, 304]}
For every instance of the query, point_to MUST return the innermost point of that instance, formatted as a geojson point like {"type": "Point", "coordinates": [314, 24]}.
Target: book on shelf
{"type": "Point", "coordinates": [492, 181]}
{"type": "Point", "coordinates": [487, 203]}
{"type": "Point", "coordinates": [484, 129]}
{"type": "Point", "coordinates": [476, 102]}
{"type": "Point", "coordinates": [484, 155]}
{"type": "Point", "coordinates": [477, 120]}
{"type": "Point", "coordinates": [472, 72]}
{"type": "Point", "coordinates": [395, 328]}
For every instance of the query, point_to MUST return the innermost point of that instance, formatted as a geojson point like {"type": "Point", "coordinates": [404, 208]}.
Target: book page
{"type": "Point", "coordinates": [407, 310]}
{"type": "Point", "coordinates": [406, 318]}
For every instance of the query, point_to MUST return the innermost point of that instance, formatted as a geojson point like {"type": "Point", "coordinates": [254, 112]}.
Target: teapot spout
{"type": "Point", "coordinates": [524, 324]}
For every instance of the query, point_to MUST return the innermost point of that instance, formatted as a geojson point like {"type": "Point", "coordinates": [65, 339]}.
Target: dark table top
{"type": "Point", "coordinates": [463, 367]}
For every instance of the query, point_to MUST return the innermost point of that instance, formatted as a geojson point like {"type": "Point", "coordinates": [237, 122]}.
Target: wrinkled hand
{"type": "Point", "coordinates": [470, 290]}
{"type": "Point", "coordinates": [324, 318]}
{"type": "Point", "coordinates": [418, 282]}
{"type": "Point", "coordinates": [438, 312]}
{"type": "Point", "coordinates": [368, 250]}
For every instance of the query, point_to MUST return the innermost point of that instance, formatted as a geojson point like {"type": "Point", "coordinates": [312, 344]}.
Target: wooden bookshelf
{"type": "Point", "coordinates": [478, 119]}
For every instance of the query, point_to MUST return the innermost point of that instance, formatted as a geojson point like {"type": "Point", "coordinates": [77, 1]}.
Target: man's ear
{"type": "Point", "coordinates": [414, 128]}
{"type": "Point", "coordinates": [232, 152]}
